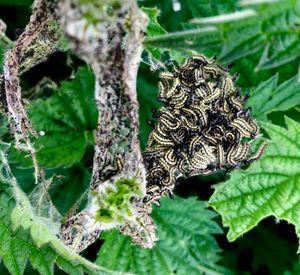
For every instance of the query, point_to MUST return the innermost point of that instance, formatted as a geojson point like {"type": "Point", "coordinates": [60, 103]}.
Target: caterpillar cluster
{"type": "Point", "coordinates": [203, 127]}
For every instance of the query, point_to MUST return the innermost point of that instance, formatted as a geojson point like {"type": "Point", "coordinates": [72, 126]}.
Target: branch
{"type": "Point", "coordinates": [39, 39]}
{"type": "Point", "coordinates": [110, 40]}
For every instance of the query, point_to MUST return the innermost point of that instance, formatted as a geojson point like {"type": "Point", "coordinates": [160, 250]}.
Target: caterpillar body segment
{"type": "Point", "coordinates": [199, 77]}
{"type": "Point", "coordinates": [201, 92]}
{"type": "Point", "coordinates": [258, 153]}
{"type": "Point", "coordinates": [246, 128]}
{"type": "Point", "coordinates": [228, 85]}
{"type": "Point", "coordinates": [200, 111]}
{"type": "Point", "coordinates": [215, 95]}
{"type": "Point", "coordinates": [202, 59]}
{"type": "Point", "coordinates": [237, 153]}
{"type": "Point", "coordinates": [155, 137]}
{"type": "Point", "coordinates": [211, 71]}
{"type": "Point", "coordinates": [170, 158]}
{"type": "Point", "coordinates": [179, 136]}
{"type": "Point", "coordinates": [169, 122]}
{"type": "Point", "coordinates": [166, 75]}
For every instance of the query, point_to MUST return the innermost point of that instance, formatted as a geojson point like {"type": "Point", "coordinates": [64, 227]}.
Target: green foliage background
{"type": "Point", "coordinates": [265, 51]}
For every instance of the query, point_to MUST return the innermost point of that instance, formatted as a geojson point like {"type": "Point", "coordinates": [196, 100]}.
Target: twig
{"type": "Point", "coordinates": [33, 46]}
{"type": "Point", "coordinates": [112, 45]}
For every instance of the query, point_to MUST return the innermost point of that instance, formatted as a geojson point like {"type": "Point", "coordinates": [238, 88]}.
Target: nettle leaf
{"type": "Point", "coordinates": [191, 39]}
{"type": "Point", "coordinates": [31, 230]}
{"type": "Point", "coordinates": [283, 35]}
{"type": "Point", "coordinates": [187, 9]}
{"type": "Point", "coordinates": [12, 247]}
{"type": "Point", "coordinates": [5, 42]}
{"type": "Point", "coordinates": [245, 67]}
{"type": "Point", "coordinates": [158, 40]}
{"type": "Point", "coordinates": [186, 244]}
{"type": "Point", "coordinates": [203, 8]}
{"type": "Point", "coordinates": [268, 97]}
{"type": "Point", "coordinates": [271, 186]}
{"type": "Point", "coordinates": [38, 244]}
{"type": "Point", "coordinates": [153, 27]}
{"type": "Point", "coordinates": [67, 120]}
{"type": "Point", "coordinates": [168, 18]}
{"type": "Point", "coordinates": [273, 30]}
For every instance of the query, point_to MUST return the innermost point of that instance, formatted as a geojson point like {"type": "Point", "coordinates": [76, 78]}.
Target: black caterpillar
{"type": "Point", "coordinates": [203, 127]}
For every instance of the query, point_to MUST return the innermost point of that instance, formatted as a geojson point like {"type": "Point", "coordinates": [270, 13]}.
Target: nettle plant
{"type": "Point", "coordinates": [107, 151]}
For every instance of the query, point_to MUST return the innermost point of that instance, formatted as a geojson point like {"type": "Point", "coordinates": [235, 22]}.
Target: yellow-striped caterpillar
{"type": "Point", "coordinates": [203, 128]}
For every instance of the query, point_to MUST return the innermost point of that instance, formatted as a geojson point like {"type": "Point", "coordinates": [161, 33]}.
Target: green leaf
{"type": "Point", "coordinates": [173, 13]}
{"type": "Point", "coordinates": [16, 246]}
{"type": "Point", "coordinates": [24, 234]}
{"type": "Point", "coordinates": [251, 78]}
{"type": "Point", "coordinates": [204, 8]}
{"type": "Point", "coordinates": [66, 120]}
{"type": "Point", "coordinates": [5, 42]}
{"type": "Point", "coordinates": [185, 40]}
{"type": "Point", "coordinates": [186, 244]}
{"type": "Point", "coordinates": [268, 97]}
{"type": "Point", "coordinates": [272, 29]}
{"type": "Point", "coordinates": [158, 40]}
{"type": "Point", "coordinates": [275, 28]}
{"type": "Point", "coordinates": [11, 248]}
{"type": "Point", "coordinates": [271, 186]}
{"type": "Point", "coordinates": [283, 31]}
{"type": "Point", "coordinates": [154, 27]}
{"type": "Point", "coordinates": [169, 19]}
